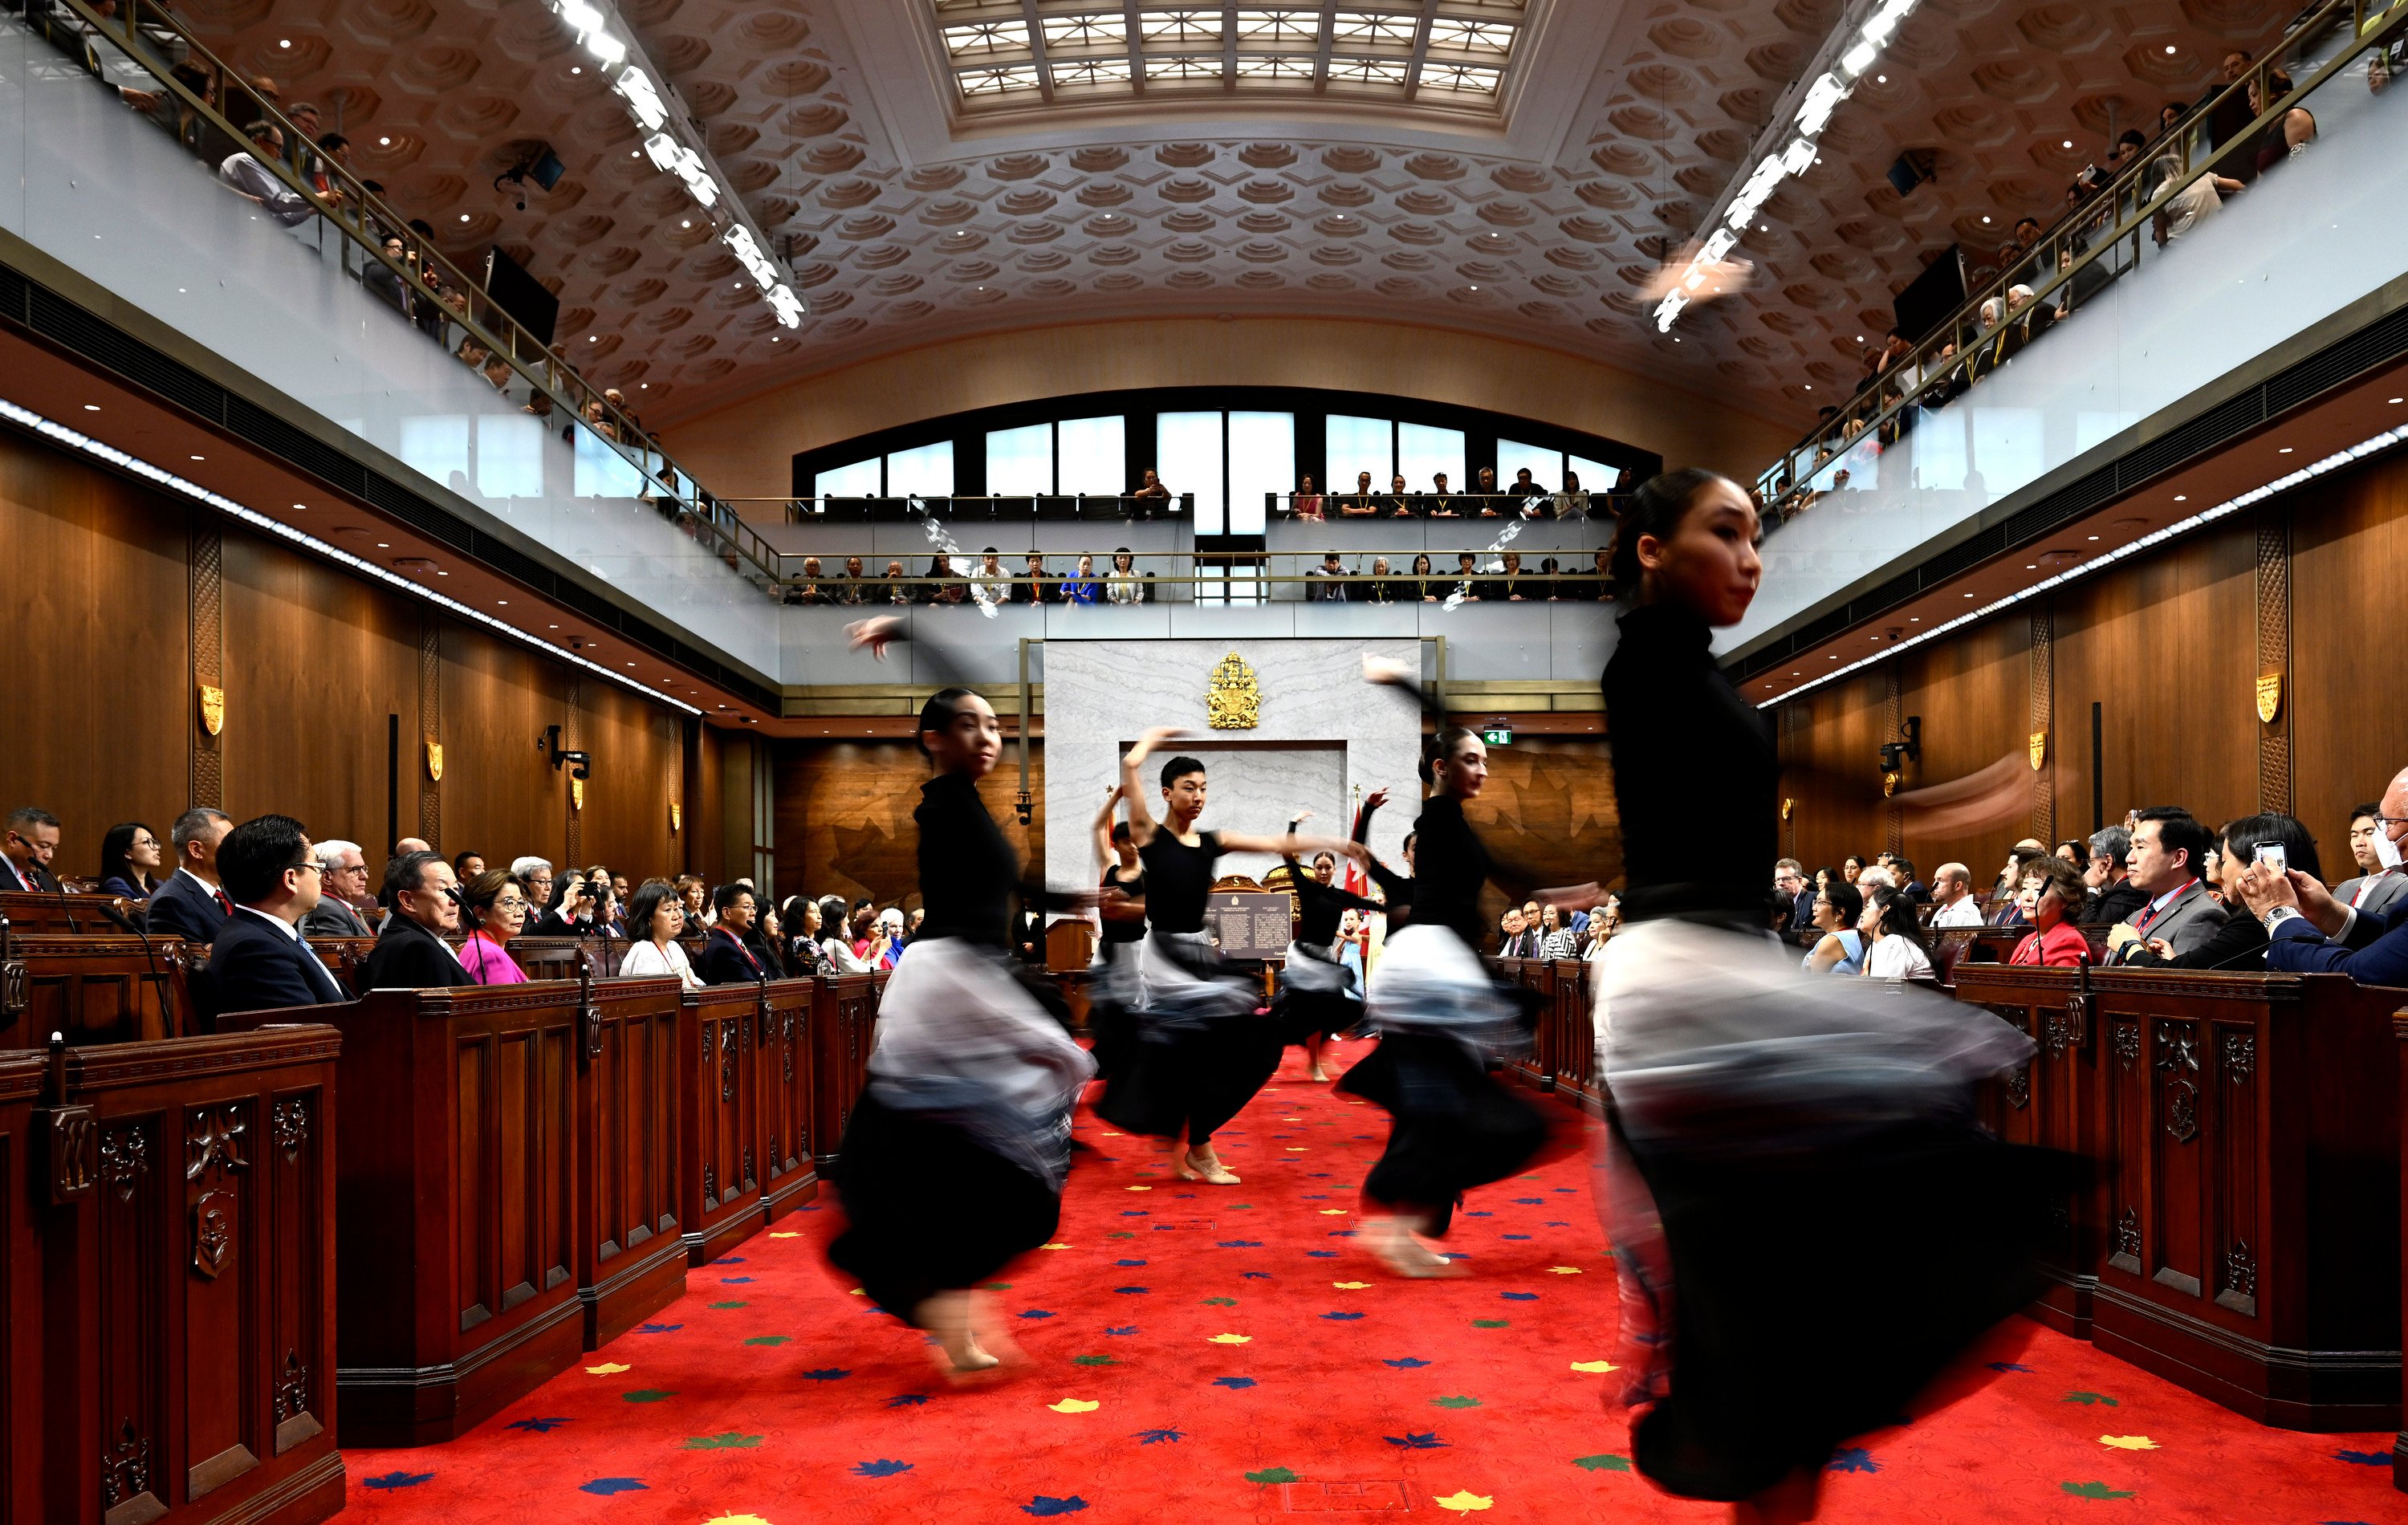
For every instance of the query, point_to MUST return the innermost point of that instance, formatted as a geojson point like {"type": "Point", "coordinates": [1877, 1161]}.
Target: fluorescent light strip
{"type": "Point", "coordinates": [2150, 542]}
{"type": "Point", "coordinates": [59, 433]}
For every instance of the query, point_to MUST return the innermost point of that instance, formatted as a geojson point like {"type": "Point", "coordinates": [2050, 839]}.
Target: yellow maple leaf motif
{"type": "Point", "coordinates": [1564, 1271]}
{"type": "Point", "coordinates": [1140, 1188]}
{"type": "Point", "coordinates": [2129, 1443]}
{"type": "Point", "coordinates": [1350, 1286]}
{"type": "Point", "coordinates": [1075, 1405]}
{"type": "Point", "coordinates": [1296, 1148]}
{"type": "Point", "coordinates": [1231, 1339]}
{"type": "Point", "coordinates": [787, 1234]}
{"type": "Point", "coordinates": [859, 1291]}
{"type": "Point", "coordinates": [1595, 1366]}
{"type": "Point", "coordinates": [1333, 1212]}
{"type": "Point", "coordinates": [1053, 1247]}
{"type": "Point", "coordinates": [1463, 1502]}
{"type": "Point", "coordinates": [736, 1519]}
{"type": "Point", "coordinates": [1112, 1135]}
{"type": "Point", "coordinates": [609, 1368]}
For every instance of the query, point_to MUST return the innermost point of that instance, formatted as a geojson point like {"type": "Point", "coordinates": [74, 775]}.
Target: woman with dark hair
{"type": "Point", "coordinates": [1852, 868]}
{"type": "Point", "coordinates": [2075, 851]}
{"type": "Point", "coordinates": [799, 921]}
{"type": "Point", "coordinates": [2240, 943]}
{"type": "Point", "coordinates": [129, 861]}
{"type": "Point", "coordinates": [2057, 894]}
{"type": "Point", "coordinates": [1202, 1052]}
{"type": "Point", "coordinates": [1421, 583]}
{"type": "Point", "coordinates": [656, 915]}
{"type": "Point", "coordinates": [1896, 951]}
{"type": "Point", "coordinates": [1318, 997]}
{"type": "Point", "coordinates": [837, 939]}
{"type": "Point", "coordinates": [1841, 950]}
{"type": "Point", "coordinates": [952, 1163]}
{"type": "Point", "coordinates": [1755, 1114]}
{"type": "Point", "coordinates": [493, 908]}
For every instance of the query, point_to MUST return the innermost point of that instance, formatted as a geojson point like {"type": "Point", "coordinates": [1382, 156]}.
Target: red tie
{"type": "Point", "coordinates": [223, 904]}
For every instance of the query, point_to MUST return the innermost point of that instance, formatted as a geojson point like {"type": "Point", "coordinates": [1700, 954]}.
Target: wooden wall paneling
{"type": "Point", "coordinates": [789, 1177]}
{"type": "Point", "coordinates": [430, 731]}
{"type": "Point", "coordinates": [1893, 825]}
{"type": "Point", "coordinates": [706, 791]}
{"type": "Point", "coordinates": [2274, 655]}
{"type": "Point", "coordinates": [572, 739]}
{"type": "Point", "coordinates": [2043, 711]}
{"type": "Point", "coordinates": [844, 816]}
{"type": "Point", "coordinates": [625, 823]}
{"type": "Point", "coordinates": [2349, 559]}
{"type": "Point", "coordinates": [204, 565]}
{"type": "Point", "coordinates": [1549, 803]}
{"type": "Point", "coordinates": [1836, 776]}
{"type": "Point", "coordinates": [1972, 695]}
{"type": "Point", "coordinates": [630, 1261]}
{"type": "Point", "coordinates": [502, 798]}
{"type": "Point", "coordinates": [741, 757]}
{"type": "Point", "coordinates": [35, 1337]}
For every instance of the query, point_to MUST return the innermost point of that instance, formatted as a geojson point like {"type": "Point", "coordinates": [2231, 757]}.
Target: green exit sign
{"type": "Point", "coordinates": [1497, 736]}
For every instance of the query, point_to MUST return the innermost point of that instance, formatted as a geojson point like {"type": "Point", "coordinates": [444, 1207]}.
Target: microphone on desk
{"type": "Point", "coordinates": [150, 955]}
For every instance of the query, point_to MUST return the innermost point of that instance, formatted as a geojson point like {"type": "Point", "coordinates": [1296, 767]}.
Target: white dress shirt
{"type": "Point", "coordinates": [1963, 912]}
{"type": "Point", "coordinates": [648, 957]}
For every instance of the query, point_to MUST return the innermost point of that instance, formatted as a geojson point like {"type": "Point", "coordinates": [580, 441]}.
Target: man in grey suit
{"type": "Point", "coordinates": [2168, 852]}
{"type": "Point", "coordinates": [343, 883]}
{"type": "Point", "coordinates": [2376, 889]}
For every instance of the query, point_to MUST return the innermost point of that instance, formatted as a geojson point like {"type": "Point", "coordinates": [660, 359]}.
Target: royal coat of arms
{"type": "Point", "coordinates": [2270, 696]}
{"type": "Point", "coordinates": [212, 709]}
{"type": "Point", "coordinates": [1233, 703]}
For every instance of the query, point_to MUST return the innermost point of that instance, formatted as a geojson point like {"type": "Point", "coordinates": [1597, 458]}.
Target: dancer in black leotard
{"type": "Point", "coordinates": [1761, 1118]}
{"type": "Point", "coordinates": [1319, 995]}
{"type": "Point", "coordinates": [1111, 1010]}
{"type": "Point", "coordinates": [1202, 1053]}
{"type": "Point", "coordinates": [1441, 1018]}
{"type": "Point", "coordinates": [954, 1160]}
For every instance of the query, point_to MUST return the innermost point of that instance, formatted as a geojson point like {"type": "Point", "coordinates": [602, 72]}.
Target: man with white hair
{"type": "Point", "coordinates": [890, 937]}
{"type": "Point", "coordinates": [1953, 887]}
{"type": "Point", "coordinates": [342, 889]}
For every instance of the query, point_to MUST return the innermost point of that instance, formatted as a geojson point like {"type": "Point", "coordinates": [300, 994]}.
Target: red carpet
{"type": "Point", "coordinates": [1209, 1353]}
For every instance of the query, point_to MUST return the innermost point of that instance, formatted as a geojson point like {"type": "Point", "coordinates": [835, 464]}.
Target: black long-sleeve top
{"type": "Point", "coordinates": [968, 872]}
{"type": "Point", "coordinates": [1697, 777]}
{"type": "Point", "coordinates": [1321, 907]}
{"type": "Point", "coordinates": [1450, 864]}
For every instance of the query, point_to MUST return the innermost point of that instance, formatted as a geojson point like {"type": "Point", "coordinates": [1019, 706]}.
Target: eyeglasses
{"type": "Point", "coordinates": [509, 905]}
{"type": "Point", "coordinates": [309, 866]}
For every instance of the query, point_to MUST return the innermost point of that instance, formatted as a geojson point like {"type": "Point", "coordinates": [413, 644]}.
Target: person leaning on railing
{"type": "Point", "coordinates": [248, 175]}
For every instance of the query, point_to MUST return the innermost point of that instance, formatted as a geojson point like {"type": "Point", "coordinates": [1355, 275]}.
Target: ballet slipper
{"type": "Point", "coordinates": [1207, 1169]}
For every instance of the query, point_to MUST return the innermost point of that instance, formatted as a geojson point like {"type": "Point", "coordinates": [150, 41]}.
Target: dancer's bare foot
{"type": "Point", "coordinates": [1207, 1168]}
{"type": "Point", "coordinates": [1317, 1074]}
{"type": "Point", "coordinates": [1391, 1241]}
{"type": "Point", "coordinates": [946, 1317]}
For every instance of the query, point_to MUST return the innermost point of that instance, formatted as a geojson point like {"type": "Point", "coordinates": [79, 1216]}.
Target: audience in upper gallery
{"type": "Point", "coordinates": [1329, 581]}
{"type": "Point", "coordinates": [727, 958]}
{"type": "Point", "coordinates": [1033, 586]}
{"type": "Point", "coordinates": [2376, 887]}
{"type": "Point", "coordinates": [1952, 896]}
{"type": "Point", "coordinates": [32, 840]}
{"type": "Point", "coordinates": [493, 908]}
{"type": "Point", "coordinates": [1838, 910]}
{"type": "Point", "coordinates": [411, 951]}
{"type": "Point", "coordinates": [656, 917]}
{"type": "Point", "coordinates": [2169, 850]}
{"type": "Point", "coordinates": [2313, 932]}
{"type": "Point", "coordinates": [190, 904]}
{"type": "Point", "coordinates": [2056, 898]}
{"type": "Point", "coordinates": [898, 590]}
{"type": "Point", "coordinates": [259, 961]}
{"type": "Point", "coordinates": [1304, 502]}
{"type": "Point", "coordinates": [342, 892]}
{"type": "Point", "coordinates": [255, 181]}
{"type": "Point", "coordinates": [1082, 586]}
{"type": "Point", "coordinates": [129, 861]}
{"type": "Point", "coordinates": [991, 584]}
{"type": "Point", "coordinates": [1895, 948]}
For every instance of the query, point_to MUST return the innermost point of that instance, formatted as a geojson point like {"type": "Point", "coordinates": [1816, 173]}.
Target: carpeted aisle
{"type": "Point", "coordinates": [1204, 1353]}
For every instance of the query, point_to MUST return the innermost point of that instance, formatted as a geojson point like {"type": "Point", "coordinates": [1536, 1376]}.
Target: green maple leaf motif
{"type": "Point", "coordinates": [729, 1442]}
{"type": "Point", "coordinates": [1242, 1207]}
{"type": "Point", "coordinates": [1093, 1360]}
{"type": "Point", "coordinates": [647, 1395]}
{"type": "Point", "coordinates": [1121, 1234]}
{"type": "Point", "coordinates": [766, 1339]}
{"type": "Point", "coordinates": [1492, 1323]}
{"type": "Point", "coordinates": [2090, 1398]}
{"type": "Point", "coordinates": [1220, 1302]}
{"type": "Point", "coordinates": [1457, 1402]}
{"type": "Point", "coordinates": [999, 1287]}
{"type": "Point", "coordinates": [1273, 1474]}
{"type": "Point", "coordinates": [1602, 1463]}
{"type": "Point", "coordinates": [727, 1304]}
{"type": "Point", "coordinates": [2093, 1491]}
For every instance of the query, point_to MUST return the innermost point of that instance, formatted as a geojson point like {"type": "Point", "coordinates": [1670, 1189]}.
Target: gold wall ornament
{"type": "Point", "coordinates": [1789, 806]}
{"type": "Point", "coordinates": [435, 760]}
{"type": "Point", "coordinates": [577, 794]}
{"type": "Point", "coordinates": [2039, 749]}
{"type": "Point", "coordinates": [676, 816]}
{"type": "Point", "coordinates": [1889, 784]}
{"type": "Point", "coordinates": [1232, 702]}
{"type": "Point", "coordinates": [212, 709]}
{"type": "Point", "coordinates": [2270, 696]}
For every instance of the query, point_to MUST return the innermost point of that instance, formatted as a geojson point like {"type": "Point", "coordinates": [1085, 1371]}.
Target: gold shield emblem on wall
{"type": "Point", "coordinates": [1788, 807]}
{"type": "Point", "coordinates": [577, 794]}
{"type": "Point", "coordinates": [1889, 784]}
{"type": "Point", "coordinates": [435, 760]}
{"type": "Point", "coordinates": [2039, 749]}
{"type": "Point", "coordinates": [1232, 702]}
{"type": "Point", "coordinates": [2270, 696]}
{"type": "Point", "coordinates": [212, 709]}
{"type": "Point", "coordinates": [677, 815]}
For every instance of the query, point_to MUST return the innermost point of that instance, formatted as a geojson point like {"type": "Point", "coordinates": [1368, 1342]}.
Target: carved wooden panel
{"type": "Point", "coordinates": [94, 989]}
{"type": "Point", "coordinates": [844, 1015]}
{"type": "Point", "coordinates": [2274, 655]}
{"type": "Point", "coordinates": [630, 1261]}
{"type": "Point", "coordinates": [728, 1037]}
{"type": "Point", "coordinates": [786, 1073]}
{"type": "Point", "coordinates": [204, 571]}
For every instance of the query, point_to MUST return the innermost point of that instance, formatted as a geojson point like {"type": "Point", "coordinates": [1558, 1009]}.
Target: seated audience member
{"type": "Point", "coordinates": [1873, 876]}
{"type": "Point", "coordinates": [890, 937]}
{"type": "Point", "coordinates": [129, 861]}
{"type": "Point", "coordinates": [1383, 588]}
{"type": "Point", "coordinates": [259, 962]}
{"type": "Point", "coordinates": [1600, 589]}
{"type": "Point", "coordinates": [2375, 888]}
{"type": "Point", "coordinates": [1082, 586]}
{"type": "Point", "coordinates": [1399, 501]}
{"type": "Point", "coordinates": [2169, 850]}
{"type": "Point", "coordinates": [1513, 588]}
{"type": "Point", "coordinates": [1423, 585]}
{"type": "Point", "coordinates": [1150, 491]}
{"type": "Point", "coordinates": [618, 882]}
{"type": "Point", "coordinates": [250, 178]}
{"type": "Point", "coordinates": [950, 586]}
{"type": "Point", "coordinates": [1903, 869]}
{"type": "Point", "coordinates": [836, 939]}
{"type": "Point", "coordinates": [2312, 933]}
{"type": "Point", "coordinates": [468, 866]}
{"type": "Point", "coordinates": [862, 926]}
{"type": "Point", "coordinates": [2240, 943]}
{"type": "Point", "coordinates": [1852, 868]}
{"type": "Point", "coordinates": [992, 584]}
{"type": "Point", "coordinates": [851, 590]}
{"type": "Point", "coordinates": [2076, 852]}
{"type": "Point", "coordinates": [1953, 894]}
{"type": "Point", "coordinates": [1305, 503]}
{"type": "Point", "coordinates": [534, 875]}
{"type": "Point", "coordinates": [1468, 580]}
{"type": "Point", "coordinates": [191, 905]}
{"type": "Point", "coordinates": [2058, 896]}
{"type": "Point", "coordinates": [898, 590]}
{"type": "Point", "coordinates": [726, 957]}
{"type": "Point", "coordinates": [799, 921]}
{"type": "Point", "coordinates": [1362, 503]}
{"type": "Point", "coordinates": [1841, 950]}
{"type": "Point", "coordinates": [2005, 912]}
{"type": "Point", "coordinates": [1033, 586]}
{"type": "Point", "coordinates": [656, 917]}
{"type": "Point", "coordinates": [1793, 900]}
{"type": "Point", "coordinates": [2291, 135]}
{"type": "Point", "coordinates": [1572, 502]}
{"type": "Point", "coordinates": [25, 853]}
{"type": "Point", "coordinates": [1894, 935]}
{"type": "Point", "coordinates": [571, 912]}
{"type": "Point", "coordinates": [1328, 585]}
{"type": "Point", "coordinates": [342, 889]}
{"type": "Point", "coordinates": [1514, 936]}
{"type": "Point", "coordinates": [810, 591]}
{"type": "Point", "coordinates": [695, 896]}
{"type": "Point", "coordinates": [2112, 895]}
{"type": "Point", "coordinates": [1438, 503]}
{"type": "Point", "coordinates": [493, 908]}
{"type": "Point", "coordinates": [411, 951]}
{"type": "Point", "coordinates": [1557, 939]}
{"type": "Point", "coordinates": [412, 844]}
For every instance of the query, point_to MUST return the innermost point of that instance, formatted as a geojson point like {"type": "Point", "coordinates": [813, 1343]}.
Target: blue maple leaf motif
{"type": "Point", "coordinates": [2366, 1458]}
{"type": "Point", "coordinates": [1135, 1212]}
{"type": "Point", "coordinates": [1342, 1315]}
{"type": "Point", "coordinates": [1238, 1243]}
{"type": "Point", "coordinates": [1317, 1197]}
{"type": "Point", "coordinates": [1342, 1234]}
{"type": "Point", "coordinates": [1528, 1201]}
{"type": "Point", "coordinates": [1322, 1255]}
{"type": "Point", "coordinates": [1411, 1442]}
{"type": "Point", "coordinates": [1406, 1363]}
{"type": "Point", "coordinates": [1254, 1275]}
{"type": "Point", "coordinates": [397, 1479]}
{"type": "Point", "coordinates": [880, 1469]}
{"type": "Point", "coordinates": [810, 1207]}
{"type": "Point", "coordinates": [1563, 1188]}
{"type": "Point", "coordinates": [1480, 1215]}
{"type": "Point", "coordinates": [1517, 1236]}
{"type": "Point", "coordinates": [734, 1281]}
{"type": "Point", "coordinates": [541, 1427]}
{"type": "Point", "coordinates": [829, 1373]}
{"type": "Point", "coordinates": [1321, 1175]}
{"type": "Point", "coordinates": [729, 1260]}
{"type": "Point", "coordinates": [1133, 1292]}
{"type": "Point", "coordinates": [1035, 1313]}
{"type": "Point", "coordinates": [1150, 1437]}
{"type": "Point", "coordinates": [1128, 1262]}
{"type": "Point", "coordinates": [606, 1486]}
{"type": "Point", "coordinates": [1045, 1503]}
{"type": "Point", "coordinates": [1519, 1297]}
{"type": "Point", "coordinates": [1551, 1224]}
{"type": "Point", "coordinates": [1853, 1459]}
{"type": "Point", "coordinates": [907, 1399]}
{"type": "Point", "coordinates": [659, 1328]}
{"type": "Point", "coordinates": [1233, 1382]}
{"type": "Point", "coordinates": [2009, 1366]}
{"type": "Point", "coordinates": [1125, 1329]}
{"type": "Point", "coordinates": [1454, 1255]}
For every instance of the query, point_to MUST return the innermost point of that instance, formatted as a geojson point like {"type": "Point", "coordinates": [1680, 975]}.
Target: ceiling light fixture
{"type": "Point", "coordinates": [384, 142]}
{"type": "Point", "coordinates": [284, 42]}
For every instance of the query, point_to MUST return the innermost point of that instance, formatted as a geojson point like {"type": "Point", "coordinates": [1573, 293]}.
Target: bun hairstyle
{"type": "Point", "coordinates": [1178, 768]}
{"type": "Point", "coordinates": [938, 713]}
{"type": "Point", "coordinates": [1440, 746]}
{"type": "Point", "coordinates": [1656, 508]}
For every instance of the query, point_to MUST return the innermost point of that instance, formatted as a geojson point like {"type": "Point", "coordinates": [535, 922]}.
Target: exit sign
{"type": "Point", "coordinates": [1497, 736]}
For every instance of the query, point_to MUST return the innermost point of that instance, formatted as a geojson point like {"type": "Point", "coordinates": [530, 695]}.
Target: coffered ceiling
{"type": "Point", "coordinates": [1514, 168]}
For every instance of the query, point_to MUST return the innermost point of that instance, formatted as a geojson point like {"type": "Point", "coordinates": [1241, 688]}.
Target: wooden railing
{"type": "Point", "coordinates": [1563, 1046]}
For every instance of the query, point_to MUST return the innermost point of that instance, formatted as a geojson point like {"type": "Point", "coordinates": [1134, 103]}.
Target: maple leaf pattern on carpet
{"type": "Point", "coordinates": [802, 1405]}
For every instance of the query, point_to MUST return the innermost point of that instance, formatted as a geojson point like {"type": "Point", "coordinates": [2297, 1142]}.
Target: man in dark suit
{"type": "Point", "coordinates": [259, 962]}
{"type": "Point", "coordinates": [25, 852]}
{"type": "Point", "coordinates": [1796, 899]}
{"type": "Point", "coordinates": [2310, 932]}
{"type": "Point", "coordinates": [411, 953]}
{"type": "Point", "coordinates": [1517, 939]}
{"type": "Point", "coordinates": [727, 956]}
{"type": "Point", "coordinates": [192, 904]}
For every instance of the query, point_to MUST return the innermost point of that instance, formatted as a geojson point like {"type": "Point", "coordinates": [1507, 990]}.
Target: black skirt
{"type": "Point", "coordinates": [1171, 1081]}
{"type": "Point", "coordinates": [928, 1210]}
{"type": "Point", "coordinates": [1454, 1126]}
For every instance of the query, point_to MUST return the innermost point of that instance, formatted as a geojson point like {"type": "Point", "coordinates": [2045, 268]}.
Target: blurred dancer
{"type": "Point", "coordinates": [1112, 1012]}
{"type": "Point", "coordinates": [954, 1160]}
{"type": "Point", "coordinates": [1202, 1053]}
{"type": "Point", "coordinates": [1779, 1145]}
{"type": "Point", "coordinates": [1318, 995]}
{"type": "Point", "coordinates": [1441, 1018]}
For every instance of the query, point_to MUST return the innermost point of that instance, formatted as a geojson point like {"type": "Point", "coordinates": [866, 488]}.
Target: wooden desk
{"type": "Point", "coordinates": [844, 1019]}
{"type": "Point", "coordinates": [744, 1126]}
{"type": "Point", "coordinates": [93, 989]}
{"type": "Point", "coordinates": [73, 913]}
{"type": "Point", "coordinates": [2242, 1238]}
